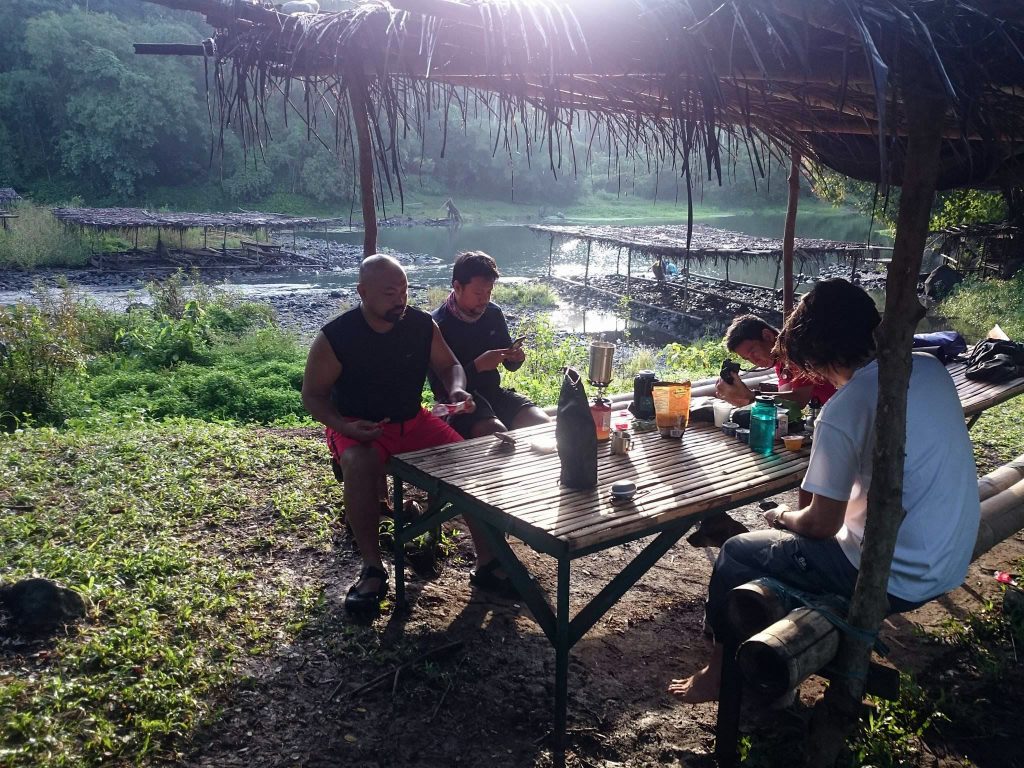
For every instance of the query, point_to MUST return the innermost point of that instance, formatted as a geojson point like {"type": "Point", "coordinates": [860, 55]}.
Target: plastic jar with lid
{"type": "Point", "coordinates": [762, 425]}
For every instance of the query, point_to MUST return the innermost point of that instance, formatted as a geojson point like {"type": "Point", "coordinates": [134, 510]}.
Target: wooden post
{"type": "Point", "coordinates": [586, 270]}
{"type": "Point", "coordinates": [618, 255]}
{"type": "Point", "coordinates": [551, 252]}
{"type": "Point", "coordinates": [359, 99]}
{"type": "Point", "coordinates": [629, 268]}
{"type": "Point", "coordinates": [686, 281]}
{"type": "Point", "coordinates": [924, 110]}
{"type": "Point", "coordinates": [790, 234]}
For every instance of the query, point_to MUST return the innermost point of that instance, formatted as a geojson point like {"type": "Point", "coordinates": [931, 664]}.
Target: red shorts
{"type": "Point", "coordinates": [424, 430]}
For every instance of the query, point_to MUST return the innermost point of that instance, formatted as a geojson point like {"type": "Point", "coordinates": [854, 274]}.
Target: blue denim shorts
{"type": "Point", "coordinates": [815, 566]}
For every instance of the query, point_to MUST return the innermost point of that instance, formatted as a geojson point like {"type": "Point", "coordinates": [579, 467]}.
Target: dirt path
{"type": "Point", "coordinates": [488, 702]}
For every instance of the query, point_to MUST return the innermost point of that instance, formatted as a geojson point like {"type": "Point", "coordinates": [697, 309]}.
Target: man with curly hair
{"type": "Point", "coordinates": [817, 548]}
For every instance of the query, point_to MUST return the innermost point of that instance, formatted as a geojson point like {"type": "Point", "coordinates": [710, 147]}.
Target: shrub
{"type": "Point", "coordinates": [37, 239]}
{"type": "Point", "coordinates": [39, 348]}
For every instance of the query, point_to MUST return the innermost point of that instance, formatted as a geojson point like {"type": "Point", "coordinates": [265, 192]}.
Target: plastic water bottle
{"type": "Point", "coordinates": [762, 425]}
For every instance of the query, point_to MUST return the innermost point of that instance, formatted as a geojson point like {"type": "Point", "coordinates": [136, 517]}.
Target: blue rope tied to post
{"type": "Point", "coordinates": [826, 609]}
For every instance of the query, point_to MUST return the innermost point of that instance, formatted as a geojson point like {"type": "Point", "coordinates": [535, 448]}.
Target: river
{"type": "Point", "coordinates": [520, 254]}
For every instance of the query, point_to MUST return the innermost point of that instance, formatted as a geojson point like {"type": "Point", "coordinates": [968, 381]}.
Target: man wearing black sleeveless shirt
{"type": "Point", "coordinates": [363, 380]}
{"type": "Point", "coordinates": [475, 329]}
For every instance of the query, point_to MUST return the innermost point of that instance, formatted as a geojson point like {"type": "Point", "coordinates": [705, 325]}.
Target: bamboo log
{"type": "Point", "coordinates": [1002, 516]}
{"type": "Point", "coordinates": [789, 651]}
{"type": "Point", "coordinates": [753, 607]}
{"type": "Point", "coordinates": [1000, 479]}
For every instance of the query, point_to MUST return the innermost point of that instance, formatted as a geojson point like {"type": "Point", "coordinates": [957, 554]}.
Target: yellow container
{"type": "Point", "coordinates": [672, 407]}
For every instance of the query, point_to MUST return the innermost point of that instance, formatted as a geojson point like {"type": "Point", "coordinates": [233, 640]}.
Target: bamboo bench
{"type": "Point", "coordinates": [787, 645]}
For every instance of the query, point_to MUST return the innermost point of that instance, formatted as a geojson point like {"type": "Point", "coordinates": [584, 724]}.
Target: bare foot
{"type": "Point", "coordinates": [704, 685]}
{"type": "Point", "coordinates": [697, 689]}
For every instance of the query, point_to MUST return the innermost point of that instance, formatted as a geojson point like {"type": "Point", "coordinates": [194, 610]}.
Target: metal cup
{"type": "Point", "coordinates": [601, 354]}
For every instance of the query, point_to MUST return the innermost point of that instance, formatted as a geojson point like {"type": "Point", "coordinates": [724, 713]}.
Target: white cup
{"type": "Point", "coordinates": [722, 411]}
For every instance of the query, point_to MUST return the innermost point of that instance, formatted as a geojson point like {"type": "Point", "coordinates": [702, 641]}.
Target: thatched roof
{"type": "Point", "coordinates": [138, 218]}
{"type": "Point", "coordinates": [664, 78]}
{"type": "Point", "coordinates": [8, 195]}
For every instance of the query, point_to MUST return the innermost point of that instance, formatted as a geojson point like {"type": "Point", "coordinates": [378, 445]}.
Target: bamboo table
{"type": "Point", "coordinates": [977, 396]}
{"type": "Point", "coordinates": [515, 491]}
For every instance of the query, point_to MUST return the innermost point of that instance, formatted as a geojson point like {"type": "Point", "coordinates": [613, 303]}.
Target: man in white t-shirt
{"type": "Point", "coordinates": [817, 549]}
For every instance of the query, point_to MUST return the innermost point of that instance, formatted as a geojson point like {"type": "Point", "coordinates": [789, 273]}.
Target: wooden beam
{"type": "Point", "coordinates": [789, 237]}
{"type": "Point", "coordinates": [360, 102]}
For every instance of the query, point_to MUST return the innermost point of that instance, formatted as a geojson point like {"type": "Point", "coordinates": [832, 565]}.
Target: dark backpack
{"type": "Point", "coordinates": [995, 360]}
{"type": "Point", "coordinates": [575, 434]}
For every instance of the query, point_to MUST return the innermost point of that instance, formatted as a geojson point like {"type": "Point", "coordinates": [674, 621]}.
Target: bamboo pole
{"type": "Point", "coordinates": [360, 101]}
{"type": "Point", "coordinates": [1002, 516]}
{"type": "Point", "coordinates": [1001, 478]}
{"type": "Point", "coordinates": [586, 271]}
{"type": "Point", "coordinates": [789, 237]}
{"type": "Point", "coordinates": [551, 252]}
{"type": "Point", "coordinates": [779, 658]}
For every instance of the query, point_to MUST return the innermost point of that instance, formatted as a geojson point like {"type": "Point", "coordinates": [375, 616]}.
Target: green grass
{"type": "Point", "coordinates": [976, 305]}
{"type": "Point", "coordinates": [529, 294]}
{"type": "Point", "coordinates": [162, 527]}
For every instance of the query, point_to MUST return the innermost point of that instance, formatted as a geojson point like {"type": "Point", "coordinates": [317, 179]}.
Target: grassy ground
{"type": "Point", "coordinates": [163, 528]}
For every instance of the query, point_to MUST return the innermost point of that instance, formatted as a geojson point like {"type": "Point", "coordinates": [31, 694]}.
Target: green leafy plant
{"type": "Point", "coordinates": [36, 239]}
{"type": "Point", "coordinates": [40, 349]}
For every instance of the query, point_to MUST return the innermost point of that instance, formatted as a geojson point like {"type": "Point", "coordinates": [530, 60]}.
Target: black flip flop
{"type": "Point", "coordinates": [486, 579]}
{"type": "Point", "coordinates": [367, 602]}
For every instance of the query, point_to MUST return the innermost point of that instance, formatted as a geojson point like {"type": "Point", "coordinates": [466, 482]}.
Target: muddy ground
{"type": "Point", "coordinates": [484, 694]}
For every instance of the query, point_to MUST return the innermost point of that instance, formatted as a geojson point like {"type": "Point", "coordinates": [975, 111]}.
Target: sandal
{"type": "Point", "coordinates": [486, 579]}
{"type": "Point", "coordinates": [363, 602]}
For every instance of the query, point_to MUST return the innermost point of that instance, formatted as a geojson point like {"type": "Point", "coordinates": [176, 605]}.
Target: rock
{"type": "Point", "coordinates": [336, 294]}
{"type": "Point", "coordinates": [39, 606]}
{"type": "Point", "coordinates": [941, 281]}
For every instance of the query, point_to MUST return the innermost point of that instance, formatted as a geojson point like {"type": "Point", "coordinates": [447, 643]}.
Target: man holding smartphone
{"type": "Point", "coordinates": [475, 329]}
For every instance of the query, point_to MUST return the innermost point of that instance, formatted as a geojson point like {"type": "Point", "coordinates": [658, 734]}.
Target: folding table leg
{"type": "Point", "coordinates": [561, 660]}
{"type": "Point", "coordinates": [730, 695]}
{"type": "Point", "coordinates": [399, 544]}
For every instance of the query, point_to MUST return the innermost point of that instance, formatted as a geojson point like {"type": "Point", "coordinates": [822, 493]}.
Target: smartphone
{"type": "Point", "coordinates": [518, 342]}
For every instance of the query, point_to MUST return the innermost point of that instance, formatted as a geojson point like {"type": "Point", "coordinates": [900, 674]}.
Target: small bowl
{"type": "Point", "coordinates": [623, 489]}
{"type": "Point", "coordinates": [793, 442]}
{"type": "Point", "coordinates": [743, 435]}
{"type": "Point", "coordinates": [729, 428]}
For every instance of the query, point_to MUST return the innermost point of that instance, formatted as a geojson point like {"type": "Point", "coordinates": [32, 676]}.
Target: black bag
{"type": "Point", "coordinates": [995, 360]}
{"type": "Point", "coordinates": [575, 434]}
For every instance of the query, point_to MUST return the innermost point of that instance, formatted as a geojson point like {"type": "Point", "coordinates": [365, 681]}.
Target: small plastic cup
{"type": "Point", "coordinates": [722, 411]}
{"type": "Point", "coordinates": [793, 442]}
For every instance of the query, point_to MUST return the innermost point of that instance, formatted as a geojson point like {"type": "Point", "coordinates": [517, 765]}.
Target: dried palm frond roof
{"type": "Point", "coordinates": [137, 218]}
{"type": "Point", "coordinates": [663, 78]}
{"type": "Point", "coordinates": [8, 195]}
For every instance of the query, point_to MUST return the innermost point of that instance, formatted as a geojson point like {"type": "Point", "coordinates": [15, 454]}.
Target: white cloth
{"type": "Point", "coordinates": [940, 484]}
